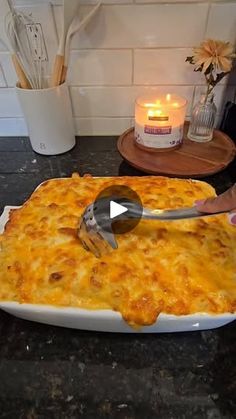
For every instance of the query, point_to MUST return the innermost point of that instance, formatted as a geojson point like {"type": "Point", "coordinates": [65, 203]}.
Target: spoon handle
{"type": "Point", "coordinates": [176, 214]}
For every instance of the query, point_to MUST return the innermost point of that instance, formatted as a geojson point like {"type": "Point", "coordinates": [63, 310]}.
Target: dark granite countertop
{"type": "Point", "coordinates": [49, 372]}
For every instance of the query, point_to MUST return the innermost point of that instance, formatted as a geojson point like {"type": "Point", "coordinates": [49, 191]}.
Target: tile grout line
{"type": "Point", "coordinates": [132, 76]}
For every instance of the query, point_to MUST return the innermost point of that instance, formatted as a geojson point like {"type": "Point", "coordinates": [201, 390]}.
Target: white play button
{"type": "Point", "coordinates": [112, 209]}
{"type": "Point", "coordinates": [116, 209]}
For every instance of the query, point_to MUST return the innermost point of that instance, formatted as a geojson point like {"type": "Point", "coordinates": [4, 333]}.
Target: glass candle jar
{"type": "Point", "coordinates": [159, 121]}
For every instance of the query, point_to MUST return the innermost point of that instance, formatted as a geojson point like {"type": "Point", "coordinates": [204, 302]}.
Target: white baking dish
{"type": "Point", "coordinates": [107, 320]}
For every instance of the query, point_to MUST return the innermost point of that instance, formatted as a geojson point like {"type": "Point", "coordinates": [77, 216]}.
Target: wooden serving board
{"type": "Point", "coordinates": [192, 159]}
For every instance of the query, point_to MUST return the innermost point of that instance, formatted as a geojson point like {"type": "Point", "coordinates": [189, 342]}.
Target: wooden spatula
{"type": "Point", "coordinates": [69, 10]}
{"type": "Point", "coordinates": [76, 26]}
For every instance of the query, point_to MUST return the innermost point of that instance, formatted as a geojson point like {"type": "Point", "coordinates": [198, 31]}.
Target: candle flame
{"type": "Point", "coordinates": [157, 104]}
{"type": "Point", "coordinates": [149, 105]}
{"type": "Point", "coordinates": [150, 112]}
{"type": "Point", "coordinates": [156, 112]}
{"type": "Point", "coordinates": [175, 104]}
{"type": "Point", "coordinates": [168, 97]}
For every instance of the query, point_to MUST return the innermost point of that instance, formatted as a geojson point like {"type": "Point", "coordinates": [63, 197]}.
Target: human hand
{"type": "Point", "coordinates": [224, 202]}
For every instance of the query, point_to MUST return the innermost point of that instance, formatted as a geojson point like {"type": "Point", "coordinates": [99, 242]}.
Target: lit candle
{"type": "Point", "coordinates": [159, 121]}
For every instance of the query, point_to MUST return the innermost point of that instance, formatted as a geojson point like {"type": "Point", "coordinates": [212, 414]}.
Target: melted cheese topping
{"type": "Point", "coordinates": [176, 267]}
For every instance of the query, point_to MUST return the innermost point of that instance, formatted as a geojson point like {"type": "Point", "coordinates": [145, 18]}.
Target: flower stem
{"type": "Point", "coordinates": [210, 87]}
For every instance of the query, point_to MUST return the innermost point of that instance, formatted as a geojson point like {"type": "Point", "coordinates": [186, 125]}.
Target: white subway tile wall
{"type": "Point", "coordinates": [128, 48]}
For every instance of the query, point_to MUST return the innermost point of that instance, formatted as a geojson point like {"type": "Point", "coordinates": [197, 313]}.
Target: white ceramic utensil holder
{"type": "Point", "coordinates": [48, 115]}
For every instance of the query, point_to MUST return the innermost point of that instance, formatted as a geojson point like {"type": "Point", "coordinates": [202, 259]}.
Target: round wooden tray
{"type": "Point", "coordinates": [190, 160]}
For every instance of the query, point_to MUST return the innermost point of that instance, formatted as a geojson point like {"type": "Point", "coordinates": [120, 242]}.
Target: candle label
{"type": "Point", "coordinates": [158, 137]}
{"type": "Point", "coordinates": [149, 129]}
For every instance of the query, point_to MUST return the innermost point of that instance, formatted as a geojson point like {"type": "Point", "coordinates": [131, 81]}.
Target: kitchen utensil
{"type": "Point", "coordinates": [96, 236]}
{"type": "Point", "coordinates": [69, 10]}
{"type": "Point", "coordinates": [5, 17]}
{"type": "Point", "coordinates": [25, 48]}
{"type": "Point", "coordinates": [76, 26]}
{"type": "Point", "coordinates": [16, 31]}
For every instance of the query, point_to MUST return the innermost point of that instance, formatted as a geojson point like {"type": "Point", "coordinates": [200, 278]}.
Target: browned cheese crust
{"type": "Point", "coordinates": [176, 267]}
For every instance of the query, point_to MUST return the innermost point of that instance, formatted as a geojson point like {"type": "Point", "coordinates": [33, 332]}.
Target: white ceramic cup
{"type": "Point", "coordinates": [48, 115]}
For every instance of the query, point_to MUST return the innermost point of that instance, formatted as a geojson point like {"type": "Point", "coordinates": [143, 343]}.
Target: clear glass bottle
{"type": "Point", "coordinates": [203, 119]}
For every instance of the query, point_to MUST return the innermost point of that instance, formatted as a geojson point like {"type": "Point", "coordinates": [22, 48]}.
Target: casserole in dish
{"type": "Point", "coordinates": [165, 276]}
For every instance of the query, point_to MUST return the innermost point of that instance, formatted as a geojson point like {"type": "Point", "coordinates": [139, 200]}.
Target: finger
{"type": "Point", "coordinates": [208, 205]}
{"type": "Point", "coordinates": [232, 217]}
{"type": "Point", "coordinates": [223, 202]}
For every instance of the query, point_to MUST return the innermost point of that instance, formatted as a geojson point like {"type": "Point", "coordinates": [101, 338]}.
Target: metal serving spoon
{"type": "Point", "coordinates": [95, 228]}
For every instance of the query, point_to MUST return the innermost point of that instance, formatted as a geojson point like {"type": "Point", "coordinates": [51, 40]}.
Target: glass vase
{"type": "Point", "coordinates": [203, 119]}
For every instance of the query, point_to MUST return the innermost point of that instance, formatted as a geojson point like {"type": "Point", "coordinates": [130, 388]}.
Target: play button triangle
{"type": "Point", "coordinates": [116, 209]}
